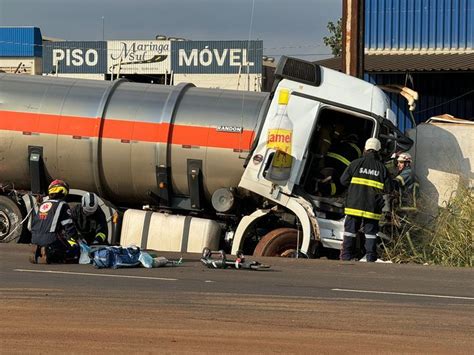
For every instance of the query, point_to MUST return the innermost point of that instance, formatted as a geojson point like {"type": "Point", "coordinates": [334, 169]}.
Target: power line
{"type": "Point", "coordinates": [446, 102]}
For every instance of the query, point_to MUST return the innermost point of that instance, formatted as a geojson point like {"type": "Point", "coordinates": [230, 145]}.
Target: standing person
{"type": "Point", "coordinates": [367, 179]}
{"type": "Point", "coordinates": [90, 221]}
{"type": "Point", "coordinates": [405, 181]}
{"type": "Point", "coordinates": [53, 234]}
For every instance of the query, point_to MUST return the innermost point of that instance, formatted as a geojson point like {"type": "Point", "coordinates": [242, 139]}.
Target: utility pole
{"type": "Point", "coordinates": [353, 22]}
{"type": "Point", "coordinates": [103, 27]}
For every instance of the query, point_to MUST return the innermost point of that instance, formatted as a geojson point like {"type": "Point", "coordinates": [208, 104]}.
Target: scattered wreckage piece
{"type": "Point", "coordinates": [219, 260]}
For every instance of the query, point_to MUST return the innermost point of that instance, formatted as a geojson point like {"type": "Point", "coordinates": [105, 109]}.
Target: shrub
{"type": "Point", "coordinates": [446, 240]}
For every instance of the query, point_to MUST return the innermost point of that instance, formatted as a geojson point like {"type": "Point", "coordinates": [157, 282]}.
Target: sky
{"type": "Point", "coordinates": [289, 27]}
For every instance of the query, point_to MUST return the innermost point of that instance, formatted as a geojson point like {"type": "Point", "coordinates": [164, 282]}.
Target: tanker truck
{"type": "Point", "coordinates": [191, 166]}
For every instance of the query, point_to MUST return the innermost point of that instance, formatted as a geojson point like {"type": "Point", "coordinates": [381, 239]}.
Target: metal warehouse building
{"type": "Point", "coordinates": [425, 45]}
{"type": "Point", "coordinates": [233, 65]}
{"type": "Point", "coordinates": [20, 50]}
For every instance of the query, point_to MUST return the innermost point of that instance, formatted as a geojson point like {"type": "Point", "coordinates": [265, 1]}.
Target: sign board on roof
{"type": "Point", "coordinates": [74, 57]}
{"type": "Point", "coordinates": [216, 57]}
{"type": "Point", "coordinates": [138, 57]}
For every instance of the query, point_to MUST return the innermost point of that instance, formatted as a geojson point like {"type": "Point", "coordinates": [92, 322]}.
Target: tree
{"type": "Point", "coordinates": [335, 40]}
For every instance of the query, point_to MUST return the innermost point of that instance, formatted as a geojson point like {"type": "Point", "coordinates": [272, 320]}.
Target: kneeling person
{"type": "Point", "coordinates": [53, 233]}
{"type": "Point", "coordinates": [90, 221]}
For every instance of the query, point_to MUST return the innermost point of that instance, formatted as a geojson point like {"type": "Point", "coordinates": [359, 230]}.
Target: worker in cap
{"type": "Point", "coordinates": [405, 181]}
{"type": "Point", "coordinates": [367, 180]}
{"type": "Point", "coordinates": [90, 220]}
{"type": "Point", "coordinates": [53, 233]}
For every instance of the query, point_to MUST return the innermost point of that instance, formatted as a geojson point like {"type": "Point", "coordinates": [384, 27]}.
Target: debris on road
{"type": "Point", "coordinates": [221, 261]}
{"type": "Point", "coordinates": [116, 257]}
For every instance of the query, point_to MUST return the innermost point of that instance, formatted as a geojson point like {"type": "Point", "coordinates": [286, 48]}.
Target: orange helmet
{"type": "Point", "coordinates": [58, 188]}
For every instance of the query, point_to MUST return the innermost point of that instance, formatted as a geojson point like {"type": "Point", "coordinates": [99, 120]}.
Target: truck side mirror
{"type": "Point", "coordinates": [403, 143]}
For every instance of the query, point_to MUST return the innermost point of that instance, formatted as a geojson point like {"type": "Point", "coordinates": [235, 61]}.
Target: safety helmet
{"type": "Point", "coordinates": [58, 188]}
{"type": "Point", "coordinates": [89, 203]}
{"type": "Point", "coordinates": [373, 144]}
{"type": "Point", "coordinates": [404, 157]}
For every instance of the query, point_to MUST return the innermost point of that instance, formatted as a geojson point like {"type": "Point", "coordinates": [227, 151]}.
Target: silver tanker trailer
{"type": "Point", "coordinates": [190, 167]}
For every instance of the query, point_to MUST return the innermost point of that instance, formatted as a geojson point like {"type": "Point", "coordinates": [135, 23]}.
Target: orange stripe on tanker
{"type": "Point", "coordinates": [46, 123]}
{"type": "Point", "coordinates": [124, 130]}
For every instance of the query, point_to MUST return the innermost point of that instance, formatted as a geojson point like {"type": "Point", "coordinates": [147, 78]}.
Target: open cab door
{"type": "Point", "coordinates": [277, 161]}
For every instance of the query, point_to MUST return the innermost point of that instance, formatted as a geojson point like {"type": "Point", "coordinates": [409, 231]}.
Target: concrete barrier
{"type": "Point", "coordinates": [443, 158]}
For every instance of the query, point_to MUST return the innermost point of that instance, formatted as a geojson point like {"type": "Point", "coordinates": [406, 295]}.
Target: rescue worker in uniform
{"type": "Point", "coordinates": [328, 135]}
{"type": "Point", "coordinates": [405, 181]}
{"type": "Point", "coordinates": [53, 233]}
{"type": "Point", "coordinates": [90, 221]}
{"type": "Point", "coordinates": [367, 179]}
{"type": "Point", "coordinates": [338, 158]}
{"type": "Point", "coordinates": [329, 132]}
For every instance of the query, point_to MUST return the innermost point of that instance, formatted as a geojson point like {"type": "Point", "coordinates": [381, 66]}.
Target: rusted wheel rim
{"type": "Point", "coordinates": [279, 242]}
{"type": "Point", "coordinates": [4, 225]}
{"type": "Point", "coordinates": [289, 253]}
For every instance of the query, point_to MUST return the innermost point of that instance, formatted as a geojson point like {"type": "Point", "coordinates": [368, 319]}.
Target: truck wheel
{"type": "Point", "coordinates": [10, 217]}
{"type": "Point", "coordinates": [278, 242]}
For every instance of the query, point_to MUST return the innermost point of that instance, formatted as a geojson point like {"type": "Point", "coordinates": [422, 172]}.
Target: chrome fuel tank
{"type": "Point", "coordinates": [113, 137]}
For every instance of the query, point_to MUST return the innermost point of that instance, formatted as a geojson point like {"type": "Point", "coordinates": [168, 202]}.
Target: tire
{"type": "Point", "coordinates": [278, 242]}
{"type": "Point", "coordinates": [10, 217]}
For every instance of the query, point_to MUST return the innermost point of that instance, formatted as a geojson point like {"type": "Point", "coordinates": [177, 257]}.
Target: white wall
{"type": "Point", "coordinates": [79, 76]}
{"type": "Point", "coordinates": [252, 82]}
{"type": "Point", "coordinates": [32, 66]}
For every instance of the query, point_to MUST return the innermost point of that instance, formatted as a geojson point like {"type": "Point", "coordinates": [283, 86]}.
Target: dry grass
{"type": "Point", "coordinates": [446, 240]}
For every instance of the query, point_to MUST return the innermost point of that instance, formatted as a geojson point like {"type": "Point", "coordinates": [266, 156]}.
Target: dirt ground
{"type": "Point", "coordinates": [50, 321]}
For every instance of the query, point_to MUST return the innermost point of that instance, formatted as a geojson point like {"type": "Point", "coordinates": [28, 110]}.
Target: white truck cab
{"type": "Point", "coordinates": [315, 107]}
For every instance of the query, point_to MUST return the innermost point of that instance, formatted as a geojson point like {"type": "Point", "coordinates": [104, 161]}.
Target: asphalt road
{"type": "Point", "coordinates": [298, 306]}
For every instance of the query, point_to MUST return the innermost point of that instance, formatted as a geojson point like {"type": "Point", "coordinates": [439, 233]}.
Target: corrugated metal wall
{"type": "Point", "coordinates": [440, 93]}
{"type": "Point", "coordinates": [419, 24]}
{"type": "Point", "coordinates": [20, 42]}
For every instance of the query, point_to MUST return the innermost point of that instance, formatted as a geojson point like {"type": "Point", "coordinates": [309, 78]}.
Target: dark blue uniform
{"type": "Point", "coordinates": [52, 228]}
{"type": "Point", "coordinates": [367, 179]}
{"type": "Point", "coordinates": [406, 182]}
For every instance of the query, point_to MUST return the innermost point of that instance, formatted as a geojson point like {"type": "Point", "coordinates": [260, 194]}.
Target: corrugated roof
{"type": "Point", "coordinates": [20, 42]}
{"type": "Point", "coordinates": [414, 62]}
{"type": "Point", "coordinates": [419, 24]}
